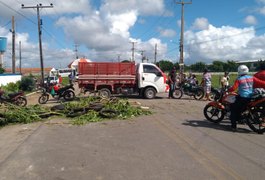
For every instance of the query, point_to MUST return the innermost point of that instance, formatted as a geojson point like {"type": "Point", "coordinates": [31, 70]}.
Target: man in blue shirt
{"type": "Point", "coordinates": [244, 84]}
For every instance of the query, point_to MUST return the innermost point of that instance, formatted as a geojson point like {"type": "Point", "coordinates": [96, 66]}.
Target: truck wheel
{"type": "Point", "coordinates": [149, 93]}
{"type": "Point", "coordinates": [104, 93]}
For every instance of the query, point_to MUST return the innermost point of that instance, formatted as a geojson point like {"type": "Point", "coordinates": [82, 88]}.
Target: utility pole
{"type": "Point", "coordinates": [181, 46]}
{"type": "Point", "coordinates": [20, 57]}
{"type": "Point", "coordinates": [38, 7]}
{"type": "Point", "coordinates": [155, 53]}
{"type": "Point", "coordinates": [133, 49]}
{"type": "Point", "coordinates": [119, 57]}
{"type": "Point", "coordinates": [76, 51]}
{"type": "Point", "coordinates": [142, 53]}
{"type": "Point", "coordinates": [13, 46]}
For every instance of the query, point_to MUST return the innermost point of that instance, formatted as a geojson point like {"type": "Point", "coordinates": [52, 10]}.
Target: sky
{"type": "Point", "coordinates": [105, 30]}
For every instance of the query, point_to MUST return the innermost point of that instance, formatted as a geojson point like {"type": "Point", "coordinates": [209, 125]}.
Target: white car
{"type": "Point", "coordinates": [52, 79]}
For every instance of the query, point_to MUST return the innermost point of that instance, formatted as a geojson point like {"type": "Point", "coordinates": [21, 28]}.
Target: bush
{"type": "Point", "coordinates": [12, 87]}
{"type": "Point", "coordinates": [2, 70]}
{"type": "Point", "coordinates": [27, 84]}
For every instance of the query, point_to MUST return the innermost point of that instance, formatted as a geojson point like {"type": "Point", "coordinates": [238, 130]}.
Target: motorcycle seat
{"type": "Point", "coordinates": [11, 95]}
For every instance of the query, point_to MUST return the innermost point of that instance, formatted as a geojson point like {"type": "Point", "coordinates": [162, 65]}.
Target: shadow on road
{"type": "Point", "coordinates": [224, 126]}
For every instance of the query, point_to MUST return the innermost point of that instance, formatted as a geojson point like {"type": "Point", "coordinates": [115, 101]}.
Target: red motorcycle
{"type": "Point", "coordinates": [253, 115]}
{"type": "Point", "coordinates": [17, 98]}
{"type": "Point", "coordinates": [66, 92]}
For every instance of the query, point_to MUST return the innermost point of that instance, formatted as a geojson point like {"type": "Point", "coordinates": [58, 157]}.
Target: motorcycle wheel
{"type": "Point", "coordinates": [213, 114]}
{"type": "Point", "coordinates": [21, 101]}
{"type": "Point", "coordinates": [199, 94]}
{"type": "Point", "coordinates": [255, 122]}
{"type": "Point", "coordinates": [43, 98]}
{"type": "Point", "coordinates": [69, 95]}
{"type": "Point", "coordinates": [178, 93]}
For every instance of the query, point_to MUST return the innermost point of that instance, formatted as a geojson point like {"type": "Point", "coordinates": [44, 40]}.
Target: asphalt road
{"type": "Point", "coordinates": [175, 142]}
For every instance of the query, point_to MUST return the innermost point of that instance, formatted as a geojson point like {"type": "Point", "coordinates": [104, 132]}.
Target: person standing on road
{"type": "Point", "coordinates": [207, 83]}
{"type": "Point", "coordinates": [172, 77]}
{"type": "Point", "coordinates": [71, 78]}
{"type": "Point", "coordinates": [244, 84]}
{"type": "Point", "coordinates": [225, 80]}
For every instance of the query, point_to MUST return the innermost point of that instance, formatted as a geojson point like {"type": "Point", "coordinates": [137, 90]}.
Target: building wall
{"type": "Point", "coordinates": [8, 78]}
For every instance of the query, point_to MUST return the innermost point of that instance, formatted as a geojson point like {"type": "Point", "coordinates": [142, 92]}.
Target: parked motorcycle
{"type": "Point", "coordinates": [190, 90]}
{"type": "Point", "coordinates": [214, 92]}
{"type": "Point", "coordinates": [17, 98]}
{"type": "Point", "coordinates": [66, 92]}
{"type": "Point", "coordinates": [254, 114]}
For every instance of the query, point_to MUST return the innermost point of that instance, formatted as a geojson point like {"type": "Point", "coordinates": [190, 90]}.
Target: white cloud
{"type": "Point", "coordinates": [106, 32]}
{"type": "Point", "coordinates": [120, 24]}
{"type": "Point", "coordinates": [251, 20]}
{"type": "Point", "coordinates": [145, 7]}
{"type": "Point", "coordinates": [261, 1]}
{"type": "Point", "coordinates": [200, 24]}
{"type": "Point", "coordinates": [224, 43]}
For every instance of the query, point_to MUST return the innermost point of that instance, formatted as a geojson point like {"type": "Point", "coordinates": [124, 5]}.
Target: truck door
{"type": "Point", "coordinates": [152, 76]}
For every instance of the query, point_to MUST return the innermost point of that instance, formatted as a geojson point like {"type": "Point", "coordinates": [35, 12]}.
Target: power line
{"type": "Point", "coordinates": [6, 24]}
{"type": "Point", "coordinates": [17, 12]}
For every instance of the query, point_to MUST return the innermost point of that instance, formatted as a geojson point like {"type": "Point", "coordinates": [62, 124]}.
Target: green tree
{"type": "Point", "coordinates": [217, 66]}
{"type": "Point", "coordinates": [27, 84]}
{"type": "Point", "coordinates": [230, 66]}
{"type": "Point", "coordinates": [198, 67]}
{"type": "Point", "coordinates": [165, 65]}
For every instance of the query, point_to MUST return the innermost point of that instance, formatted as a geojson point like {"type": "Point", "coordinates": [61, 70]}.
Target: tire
{"type": "Point", "coordinates": [213, 114]}
{"type": "Point", "coordinates": [108, 113]}
{"type": "Point", "coordinates": [21, 101]}
{"type": "Point", "coordinates": [199, 94]}
{"type": "Point", "coordinates": [255, 124]}
{"type": "Point", "coordinates": [95, 106]}
{"type": "Point", "coordinates": [213, 95]}
{"type": "Point", "coordinates": [77, 112]}
{"type": "Point", "coordinates": [104, 93]}
{"type": "Point", "coordinates": [149, 93]}
{"type": "Point", "coordinates": [178, 93]}
{"type": "Point", "coordinates": [69, 95]}
{"type": "Point", "coordinates": [43, 98]}
{"type": "Point", "coordinates": [59, 107]}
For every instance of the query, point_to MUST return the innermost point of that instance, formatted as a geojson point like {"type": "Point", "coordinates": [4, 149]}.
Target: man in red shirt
{"type": "Point", "coordinates": [259, 77]}
{"type": "Point", "coordinates": [259, 81]}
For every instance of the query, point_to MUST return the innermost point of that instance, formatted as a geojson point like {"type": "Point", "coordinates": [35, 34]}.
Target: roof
{"type": "Point", "coordinates": [75, 62]}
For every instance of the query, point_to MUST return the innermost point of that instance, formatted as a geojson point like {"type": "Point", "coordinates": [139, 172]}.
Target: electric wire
{"type": "Point", "coordinates": [6, 24]}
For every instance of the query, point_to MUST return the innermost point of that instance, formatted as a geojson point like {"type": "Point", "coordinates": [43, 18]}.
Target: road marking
{"type": "Point", "coordinates": [213, 165]}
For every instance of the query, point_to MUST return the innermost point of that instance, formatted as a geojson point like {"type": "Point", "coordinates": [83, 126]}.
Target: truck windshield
{"type": "Point", "coordinates": [150, 69]}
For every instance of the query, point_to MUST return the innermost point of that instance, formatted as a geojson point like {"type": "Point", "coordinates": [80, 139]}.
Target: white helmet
{"type": "Point", "coordinates": [242, 69]}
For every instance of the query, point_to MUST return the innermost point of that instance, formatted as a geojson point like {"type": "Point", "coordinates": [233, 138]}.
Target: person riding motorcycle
{"type": "Point", "coordinates": [244, 84]}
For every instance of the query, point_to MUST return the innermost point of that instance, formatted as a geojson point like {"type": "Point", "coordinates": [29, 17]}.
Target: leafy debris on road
{"type": "Point", "coordinates": [89, 109]}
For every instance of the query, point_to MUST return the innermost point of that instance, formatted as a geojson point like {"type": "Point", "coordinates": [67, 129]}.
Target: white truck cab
{"type": "Point", "coordinates": [150, 79]}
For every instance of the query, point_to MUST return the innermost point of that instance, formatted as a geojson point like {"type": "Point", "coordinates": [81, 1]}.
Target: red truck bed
{"type": "Point", "coordinates": [111, 74]}
{"type": "Point", "coordinates": [106, 68]}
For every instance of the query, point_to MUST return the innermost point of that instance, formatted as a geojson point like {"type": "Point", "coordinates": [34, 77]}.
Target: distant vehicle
{"type": "Point", "coordinates": [52, 80]}
{"type": "Point", "coordinates": [107, 78]}
{"type": "Point", "coordinates": [65, 72]}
